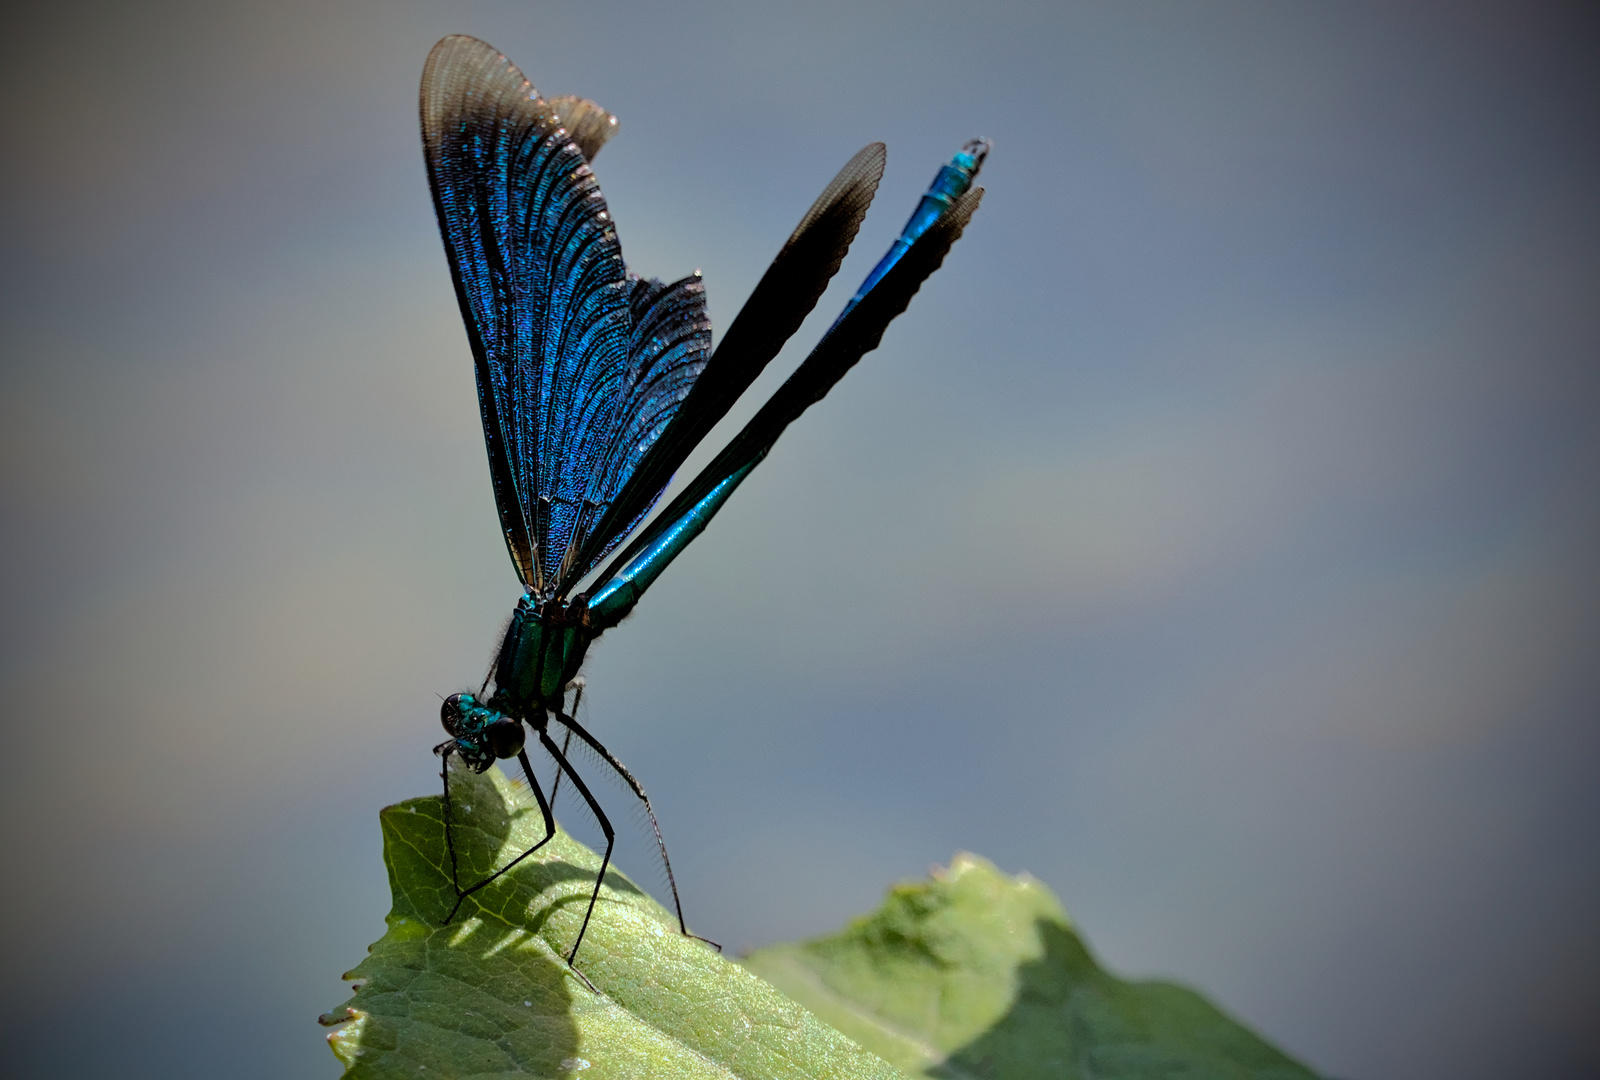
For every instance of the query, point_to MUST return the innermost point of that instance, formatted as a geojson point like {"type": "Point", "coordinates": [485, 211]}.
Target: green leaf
{"type": "Point", "coordinates": [975, 975]}
{"type": "Point", "coordinates": [491, 994]}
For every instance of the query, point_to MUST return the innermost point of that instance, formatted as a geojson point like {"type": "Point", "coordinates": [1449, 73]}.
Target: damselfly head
{"type": "Point", "coordinates": [479, 733]}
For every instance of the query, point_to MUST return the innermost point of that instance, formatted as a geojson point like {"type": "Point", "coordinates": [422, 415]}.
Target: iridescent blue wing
{"type": "Point", "coordinates": [779, 304]}
{"type": "Point", "coordinates": [668, 343]}
{"type": "Point", "coordinates": [543, 291]}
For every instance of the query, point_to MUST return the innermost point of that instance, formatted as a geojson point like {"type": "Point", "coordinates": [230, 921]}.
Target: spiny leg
{"type": "Point", "coordinates": [573, 727]}
{"type": "Point", "coordinates": [605, 827]}
{"type": "Point", "coordinates": [549, 831]}
{"type": "Point", "coordinates": [555, 785]}
{"type": "Point", "coordinates": [566, 744]}
{"type": "Point", "coordinates": [443, 750]}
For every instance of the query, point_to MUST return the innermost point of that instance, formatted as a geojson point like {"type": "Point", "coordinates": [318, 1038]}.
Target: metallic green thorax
{"type": "Point", "coordinates": [541, 654]}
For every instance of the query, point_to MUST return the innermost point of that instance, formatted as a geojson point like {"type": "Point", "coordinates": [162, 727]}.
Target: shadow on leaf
{"type": "Point", "coordinates": [1071, 1018]}
{"type": "Point", "coordinates": [977, 975]}
{"type": "Point", "coordinates": [491, 994]}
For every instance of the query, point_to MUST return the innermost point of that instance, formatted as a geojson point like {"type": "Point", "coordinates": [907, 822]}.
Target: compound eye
{"type": "Point", "coordinates": [452, 712]}
{"type": "Point", "coordinates": [505, 737]}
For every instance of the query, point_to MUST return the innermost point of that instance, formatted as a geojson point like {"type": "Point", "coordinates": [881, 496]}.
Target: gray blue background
{"type": "Point", "coordinates": [1216, 537]}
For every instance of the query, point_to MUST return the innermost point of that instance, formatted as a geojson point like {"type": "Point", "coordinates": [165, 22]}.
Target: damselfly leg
{"type": "Point", "coordinates": [605, 827]}
{"type": "Point", "coordinates": [575, 728]}
{"type": "Point", "coordinates": [449, 831]}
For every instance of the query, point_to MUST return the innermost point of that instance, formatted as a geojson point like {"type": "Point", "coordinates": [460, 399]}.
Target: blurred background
{"type": "Point", "coordinates": [1215, 538]}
